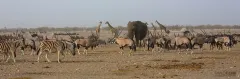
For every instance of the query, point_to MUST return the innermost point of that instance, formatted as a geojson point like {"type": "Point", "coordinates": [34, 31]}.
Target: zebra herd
{"type": "Point", "coordinates": [40, 44]}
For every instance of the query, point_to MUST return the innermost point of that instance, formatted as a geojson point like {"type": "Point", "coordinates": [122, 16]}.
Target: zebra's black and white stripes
{"type": "Point", "coordinates": [8, 48]}
{"type": "Point", "coordinates": [59, 46]}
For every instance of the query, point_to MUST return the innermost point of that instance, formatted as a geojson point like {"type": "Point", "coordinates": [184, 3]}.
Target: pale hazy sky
{"type": "Point", "coordinates": [60, 13]}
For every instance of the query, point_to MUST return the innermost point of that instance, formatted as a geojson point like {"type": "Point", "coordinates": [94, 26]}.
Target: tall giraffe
{"type": "Point", "coordinates": [154, 29]}
{"type": "Point", "coordinates": [161, 27]}
{"type": "Point", "coordinates": [112, 29]}
{"type": "Point", "coordinates": [98, 28]}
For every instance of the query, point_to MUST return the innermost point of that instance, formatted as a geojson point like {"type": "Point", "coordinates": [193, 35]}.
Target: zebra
{"type": "Point", "coordinates": [59, 46]}
{"type": "Point", "coordinates": [9, 47]}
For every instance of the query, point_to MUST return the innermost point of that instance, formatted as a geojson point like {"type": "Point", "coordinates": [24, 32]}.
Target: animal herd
{"type": "Point", "coordinates": [42, 44]}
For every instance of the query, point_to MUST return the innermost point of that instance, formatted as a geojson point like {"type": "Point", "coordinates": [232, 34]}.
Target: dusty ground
{"type": "Point", "coordinates": [107, 63]}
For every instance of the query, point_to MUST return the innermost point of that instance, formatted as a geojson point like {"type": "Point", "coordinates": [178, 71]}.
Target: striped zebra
{"type": "Point", "coordinates": [8, 48]}
{"type": "Point", "coordinates": [59, 46]}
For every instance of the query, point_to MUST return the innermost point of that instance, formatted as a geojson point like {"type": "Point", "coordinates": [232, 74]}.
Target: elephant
{"type": "Point", "coordinates": [138, 30]}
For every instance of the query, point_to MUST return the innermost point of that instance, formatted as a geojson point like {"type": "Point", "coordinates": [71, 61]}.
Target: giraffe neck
{"type": "Point", "coordinates": [158, 23]}
{"type": "Point", "coordinates": [153, 26]}
{"type": "Point", "coordinates": [110, 26]}
{"type": "Point", "coordinates": [99, 25]}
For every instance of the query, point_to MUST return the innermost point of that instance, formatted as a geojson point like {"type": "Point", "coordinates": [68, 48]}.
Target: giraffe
{"type": "Point", "coordinates": [98, 28]}
{"type": "Point", "coordinates": [112, 29]}
{"type": "Point", "coordinates": [154, 29]}
{"type": "Point", "coordinates": [161, 27]}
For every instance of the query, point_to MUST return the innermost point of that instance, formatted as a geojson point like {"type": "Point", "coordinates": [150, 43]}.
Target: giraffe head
{"type": "Point", "coordinates": [107, 22]}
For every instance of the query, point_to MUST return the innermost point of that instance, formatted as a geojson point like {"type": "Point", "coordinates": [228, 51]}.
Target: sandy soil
{"type": "Point", "coordinates": [107, 63]}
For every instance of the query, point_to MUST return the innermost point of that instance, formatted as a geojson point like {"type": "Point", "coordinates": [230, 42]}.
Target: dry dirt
{"type": "Point", "coordinates": [107, 63]}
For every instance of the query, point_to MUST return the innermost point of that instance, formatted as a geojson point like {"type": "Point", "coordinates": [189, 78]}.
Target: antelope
{"type": "Point", "coordinates": [198, 40]}
{"type": "Point", "coordinates": [122, 42]}
{"type": "Point", "coordinates": [91, 41]}
{"type": "Point", "coordinates": [227, 41]}
{"type": "Point", "coordinates": [182, 40]}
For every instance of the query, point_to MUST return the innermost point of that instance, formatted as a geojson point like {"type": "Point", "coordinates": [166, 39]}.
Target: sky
{"type": "Point", "coordinates": [79, 13]}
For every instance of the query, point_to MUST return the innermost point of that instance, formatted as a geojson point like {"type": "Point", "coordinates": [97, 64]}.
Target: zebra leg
{"type": "Point", "coordinates": [40, 52]}
{"type": "Point", "coordinates": [32, 52]}
{"type": "Point", "coordinates": [162, 50]}
{"type": "Point", "coordinates": [4, 56]}
{"type": "Point", "coordinates": [22, 50]}
{"type": "Point", "coordinates": [13, 57]}
{"type": "Point", "coordinates": [8, 56]}
{"type": "Point", "coordinates": [46, 56]}
{"type": "Point", "coordinates": [58, 53]}
{"type": "Point", "coordinates": [63, 55]}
